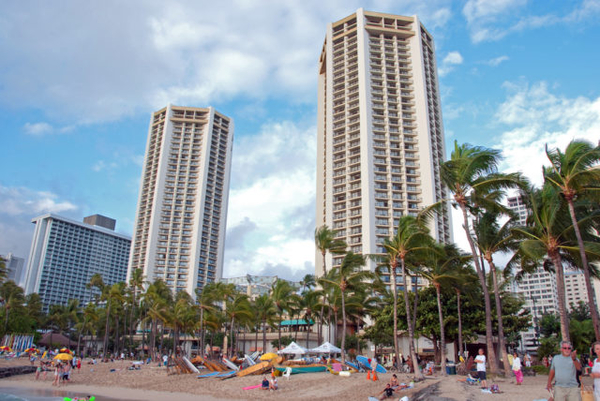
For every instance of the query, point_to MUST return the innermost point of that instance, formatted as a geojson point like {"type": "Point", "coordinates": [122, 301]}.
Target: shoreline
{"type": "Point", "coordinates": [113, 393]}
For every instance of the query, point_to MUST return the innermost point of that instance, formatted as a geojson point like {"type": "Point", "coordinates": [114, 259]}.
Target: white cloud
{"type": "Point", "coordinates": [536, 117]}
{"type": "Point", "coordinates": [18, 205]}
{"type": "Point", "coordinates": [102, 66]}
{"type": "Point", "coordinates": [495, 62]}
{"type": "Point", "coordinates": [271, 203]}
{"type": "Point", "coordinates": [43, 128]}
{"type": "Point", "coordinates": [491, 20]}
{"type": "Point", "coordinates": [451, 60]}
{"type": "Point", "coordinates": [24, 201]}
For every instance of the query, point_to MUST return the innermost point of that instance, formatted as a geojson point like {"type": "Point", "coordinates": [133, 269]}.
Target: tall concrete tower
{"type": "Point", "coordinates": [179, 230]}
{"type": "Point", "coordinates": [380, 133]}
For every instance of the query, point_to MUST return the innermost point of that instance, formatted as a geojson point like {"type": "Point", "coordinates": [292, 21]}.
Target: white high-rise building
{"type": "Point", "coordinates": [380, 134]}
{"type": "Point", "coordinates": [179, 232]}
{"type": "Point", "coordinates": [14, 267]}
{"type": "Point", "coordinates": [65, 254]}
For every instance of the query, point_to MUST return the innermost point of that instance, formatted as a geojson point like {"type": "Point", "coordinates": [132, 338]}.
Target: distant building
{"type": "Point", "coordinates": [575, 289]}
{"type": "Point", "coordinates": [65, 254]}
{"type": "Point", "coordinates": [380, 138]}
{"type": "Point", "coordinates": [255, 286]}
{"type": "Point", "coordinates": [14, 268]}
{"type": "Point", "coordinates": [179, 231]}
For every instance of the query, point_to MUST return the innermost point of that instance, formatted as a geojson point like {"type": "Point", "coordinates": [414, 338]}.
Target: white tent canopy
{"type": "Point", "coordinates": [326, 348]}
{"type": "Point", "coordinates": [293, 348]}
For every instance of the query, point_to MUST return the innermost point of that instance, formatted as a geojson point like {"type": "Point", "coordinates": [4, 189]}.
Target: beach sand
{"type": "Point", "coordinates": [153, 383]}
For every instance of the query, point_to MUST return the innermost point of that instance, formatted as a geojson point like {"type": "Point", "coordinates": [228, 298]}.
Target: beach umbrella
{"type": "Point", "coordinates": [65, 351]}
{"type": "Point", "coordinates": [64, 357]}
{"type": "Point", "coordinates": [5, 348]}
{"type": "Point", "coordinates": [268, 356]}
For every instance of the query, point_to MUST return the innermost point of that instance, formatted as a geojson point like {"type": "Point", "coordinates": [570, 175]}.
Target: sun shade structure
{"type": "Point", "coordinates": [326, 348]}
{"type": "Point", "coordinates": [293, 348]}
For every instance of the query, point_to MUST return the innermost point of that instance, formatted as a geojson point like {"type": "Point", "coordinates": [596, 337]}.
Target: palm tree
{"type": "Point", "coordinates": [136, 282]}
{"type": "Point", "coordinates": [471, 174]}
{"type": "Point", "coordinates": [410, 237]}
{"type": "Point", "coordinates": [308, 282]}
{"type": "Point", "coordinates": [96, 281]}
{"type": "Point", "coordinates": [575, 174]}
{"type": "Point", "coordinates": [325, 242]}
{"type": "Point", "coordinates": [205, 299]}
{"type": "Point", "coordinates": [444, 263]}
{"type": "Point", "coordinates": [237, 309]}
{"type": "Point", "coordinates": [548, 234]}
{"type": "Point", "coordinates": [310, 303]}
{"type": "Point", "coordinates": [264, 309]}
{"type": "Point", "coordinates": [465, 277]}
{"type": "Point", "coordinates": [491, 239]}
{"type": "Point", "coordinates": [281, 293]}
{"type": "Point", "coordinates": [348, 276]}
{"type": "Point", "coordinates": [87, 324]}
{"type": "Point", "coordinates": [112, 296]}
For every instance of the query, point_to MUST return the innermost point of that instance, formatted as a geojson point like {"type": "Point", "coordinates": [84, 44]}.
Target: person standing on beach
{"type": "Point", "coordinates": [564, 369]}
{"type": "Point", "coordinates": [596, 370]}
{"type": "Point", "coordinates": [480, 360]}
{"type": "Point", "coordinates": [516, 368]}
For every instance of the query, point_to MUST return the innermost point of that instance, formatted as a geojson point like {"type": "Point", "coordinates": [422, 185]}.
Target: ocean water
{"type": "Point", "coordinates": [31, 394]}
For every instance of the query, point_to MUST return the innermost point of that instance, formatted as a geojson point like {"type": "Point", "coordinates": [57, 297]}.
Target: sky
{"type": "Point", "coordinates": [79, 81]}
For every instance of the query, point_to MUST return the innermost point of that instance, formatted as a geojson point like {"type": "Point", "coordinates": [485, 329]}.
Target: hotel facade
{"type": "Point", "coordinates": [65, 254]}
{"type": "Point", "coordinates": [380, 134]}
{"type": "Point", "coordinates": [179, 232]}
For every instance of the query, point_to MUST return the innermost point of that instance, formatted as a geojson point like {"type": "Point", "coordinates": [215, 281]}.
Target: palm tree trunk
{"type": "Point", "coordinates": [586, 272]}
{"type": "Point", "coordinates": [486, 296]}
{"type": "Point", "coordinates": [501, 340]}
{"type": "Point", "coordinates": [320, 327]}
{"type": "Point", "coordinates": [343, 328]}
{"type": "Point", "coordinates": [106, 329]}
{"type": "Point", "coordinates": [395, 328]}
{"type": "Point", "coordinates": [411, 333]}
{"type": "Point", "coordinates": [442, 331]}
{"type": "Point", "coordinates": [264, 336]}
{"type": "Point", "coordinates": [560, 289]}
{"type": "Point", "coordinates": [201, 329]}
{"type": "Point", "coordinates": [460, 339]}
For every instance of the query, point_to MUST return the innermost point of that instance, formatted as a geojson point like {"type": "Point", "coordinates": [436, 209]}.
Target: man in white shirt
{"type": "Point", "coordinates": [480, 360]}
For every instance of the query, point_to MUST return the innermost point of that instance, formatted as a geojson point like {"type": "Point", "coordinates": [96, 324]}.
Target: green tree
{"type": "Point", "coordinates": [348, 276]}
{"type": "Point", "coordinates": [491, 238]}
{"type": "Point", "coordinates": [548, 233]}
{"type": "Point", "coordinates": [281, 293]}
{"type": "Point", "coordinates": [264, 307]}
{"type": "Point", "coordinates": [575, 174]}
{"type": "Point", "coordinates": [443, 269]}
{"type": "Point", "coordinates": [472, 176]}
{"type": "Point", "coordinates": [237, 309]}
{"type": "Point", "coordinates": [411, 236]}
{"type": "Point", "coordinates": [325, 242]}
{"type": "Point", "coordinates": [136, 283]}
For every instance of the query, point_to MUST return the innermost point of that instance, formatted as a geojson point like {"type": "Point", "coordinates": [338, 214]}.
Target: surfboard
{"type": "Point", "coordinates": [227, 374]}
{"type": "Point", "coordinates": [364, 361]}
{"type": "Point", "coordinates": [208, 375]}
{"type": "Point", "coordinates": [252, 387]}
{"type": "Point", "coordinates": [230, 364]}
{"type": "Point", "coordinates": [354, 365]}
{"type": "Point", "coordinates": [190, 365]}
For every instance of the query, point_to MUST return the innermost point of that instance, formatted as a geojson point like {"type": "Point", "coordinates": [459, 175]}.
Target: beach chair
{"type": "Point", "coordinates": [287, 373]}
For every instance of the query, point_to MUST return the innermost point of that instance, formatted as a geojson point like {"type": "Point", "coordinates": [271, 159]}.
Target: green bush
{"type": "Point", "coordinates": [540, 369]}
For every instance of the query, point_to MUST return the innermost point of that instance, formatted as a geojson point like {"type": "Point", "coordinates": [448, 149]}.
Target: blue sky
{"type": "Point", "coordinates": [79, 80]}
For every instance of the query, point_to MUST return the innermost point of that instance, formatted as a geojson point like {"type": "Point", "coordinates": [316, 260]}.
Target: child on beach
{"type": "Point", "coordinates": [265, 383]}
